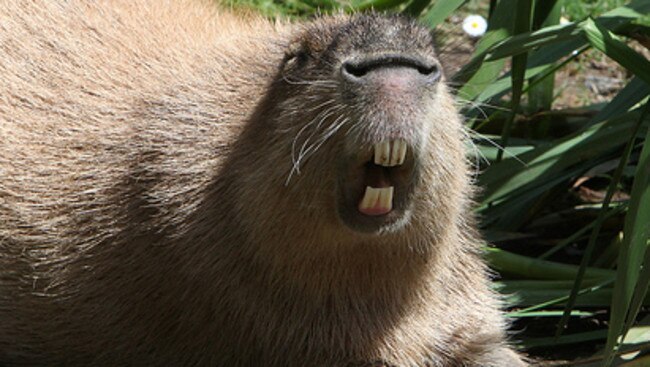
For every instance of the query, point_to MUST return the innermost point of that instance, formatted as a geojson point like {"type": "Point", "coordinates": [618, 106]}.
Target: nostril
{"type": "Point", "coordinates": [355, 70]}
{"type": "Point", "coordinates": [432, 72]}
{"type": "Point", "coordinates": [428, 70]}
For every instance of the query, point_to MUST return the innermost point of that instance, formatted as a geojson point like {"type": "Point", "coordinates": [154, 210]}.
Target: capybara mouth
{"type": "Point", "coordinates": [376, 186]}
{"type": "Point", "coordinates": [388, 92]}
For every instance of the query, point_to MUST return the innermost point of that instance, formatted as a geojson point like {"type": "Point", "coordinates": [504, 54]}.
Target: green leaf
{"type": "Point", "coordinates": [615, 18]}
{"type": "Point", "coordinates": [376, 4]}
{"type": "Point", "coordinates": [416, 7]}
{"type": "Point", "coordinates": [440, 10]}
{"type": "Point", "coordinates": [476, 75]}
{"type": "Point", "coordinates": [522, 25]}
{"type": "Point", "coordinates": [543, 293]}
{"type": "Point", "coordinates": [549, 314]}
{"type": "Point", "coordinates": [533, 268]}
{"type": "Point", "coordinates": [552, 43]}
{"type": "Point", "coordinates": [528, 41]}
{"type": "Point", "coordinates": [607, 42]}
{"type": "Point", "coordinates": [591, 245]}
{"type": "Point", "coordinates": [541, 89]}
{"type": "Point", "coordinates": [510, 178]}
{"type": "Point", "coordinates": [612, 20]}
{"type": "Point", "coordinates": [540, 64]}
{"type": "Point", "coordinates": [633, 257]}
{"type": "Point", "coordinates": [633, 93]}
{"type": "Point", "coordinates": [566, 339]}
{"type": "Point", "coordinates": [567, 241]}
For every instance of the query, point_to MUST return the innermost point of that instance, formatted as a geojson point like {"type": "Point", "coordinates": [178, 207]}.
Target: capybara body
{"type": "Point", "coordinates": [180, 185]}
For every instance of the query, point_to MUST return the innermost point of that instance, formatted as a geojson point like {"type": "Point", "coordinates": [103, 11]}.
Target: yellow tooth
{"type": "Point", "coordinates": [382, 153]}
{"type": "Point", "coordinates": [370, 197]}
{"type": "Point", "coordinates": [394, 154]}
{"type": "Point", "coordinates": [378, 200]}
{"type": "Point", "coordinates": [402, 152]}
{"type": "Point", "coordinates": [390, 153]}
{"type": "Point", "coordinates": [378, 153]}
{"type": "Point", "coordinates": [386, 197]}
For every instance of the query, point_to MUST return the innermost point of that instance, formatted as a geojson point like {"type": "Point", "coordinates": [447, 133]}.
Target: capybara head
{"type": "Point", "coordinates": [374, 138]}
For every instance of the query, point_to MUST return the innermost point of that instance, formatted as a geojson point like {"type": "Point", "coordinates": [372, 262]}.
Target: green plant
{"type": "Point", "coordinates": [517, 188]}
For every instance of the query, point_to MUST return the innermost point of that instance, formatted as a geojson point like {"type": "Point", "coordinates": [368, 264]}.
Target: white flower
{"type": "Point", "coordinates": [475, 25]}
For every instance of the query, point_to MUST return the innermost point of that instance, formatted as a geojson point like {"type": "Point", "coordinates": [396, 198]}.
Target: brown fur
{"type": "Point", "coordinates": [151, 212]}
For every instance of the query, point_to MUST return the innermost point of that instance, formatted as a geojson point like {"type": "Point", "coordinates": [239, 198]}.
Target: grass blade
{"type": "Point", "coordinates": [440, 10]}
{"type": "Point", "coordinates": [506, 179]}
{"type": "Point", "coordinates": [608, 43]}
{"type": "Point", "coordinates": [477, 74]}
{"type": "Point", "coordinates": [541, 89]}
{"type": "Point", "coordinates": [613, 20]}
{"type": "Point", "coordinates": [416, 7]}
{"type": "Point", "coordinates": [533, 268]}
{"type": "Point", "coordinates": [528, 41]}
{"type": "Point", "coordinates": [589, 227]}
{"type": "Point", "coordinates": [522, 25]}
{"type": "Point", "coordinates": [567, 339]}
{"type": "Point", "coordinates": [634, 92]}
{"type": "Point", "coordinates": [376, 4]}
{"type": "Point", "coordinates": [591, 245]}
{"type": "Point", "coordinates": [554, 301]}
{"type": "Point", "coordinates": [633, 252]}
{"type": "Point", "coordinates": [540, 64]}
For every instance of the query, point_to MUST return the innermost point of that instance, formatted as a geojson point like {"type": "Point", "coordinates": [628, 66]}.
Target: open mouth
{"type": "Point", "coordinates": [378, 196]}
{"type": "Point", "coordinates": [376, 186]}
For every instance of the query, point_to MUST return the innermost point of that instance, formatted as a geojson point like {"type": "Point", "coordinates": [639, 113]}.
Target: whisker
{"type": "Point", "coordinates": [298, 156]}
{"type": "Point", "coordinates": [497, 145]}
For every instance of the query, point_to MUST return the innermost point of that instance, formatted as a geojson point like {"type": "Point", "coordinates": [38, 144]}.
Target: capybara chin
{"type": "Point", "coordinates": [184, 186]}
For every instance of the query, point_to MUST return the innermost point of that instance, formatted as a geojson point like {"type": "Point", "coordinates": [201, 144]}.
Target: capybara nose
{"type": "Point", "coordinates": [395, 70]}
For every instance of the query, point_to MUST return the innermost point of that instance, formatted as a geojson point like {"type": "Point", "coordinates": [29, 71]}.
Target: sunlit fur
{"type": "Point", "coordinates": [167, 197]}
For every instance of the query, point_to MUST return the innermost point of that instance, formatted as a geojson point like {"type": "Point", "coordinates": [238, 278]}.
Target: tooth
{"type": "Point", "coordinates": [395, 153]}
{"type": "Point", "coordinates": [382, 153]}
{"type": "Point", "coordinates": [386, 198]}
{"type": "Point", "coordinates": [369, 198]}
{"type": "Point", "coordinates": [402, 152]}
{"type": "Point", "coordinates": [377, 200]}
{"type": "Point", "coordinates": [378, 153]}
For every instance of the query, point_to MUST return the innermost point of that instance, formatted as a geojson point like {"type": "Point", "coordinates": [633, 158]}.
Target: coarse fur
{"type": "Point", "coordinates": [167, 175]}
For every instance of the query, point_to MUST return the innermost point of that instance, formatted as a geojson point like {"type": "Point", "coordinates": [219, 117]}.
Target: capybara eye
{"type": "Point", "coordinates": [296, 60]}
{"type": "Point", "coordinates": [296, 55]}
